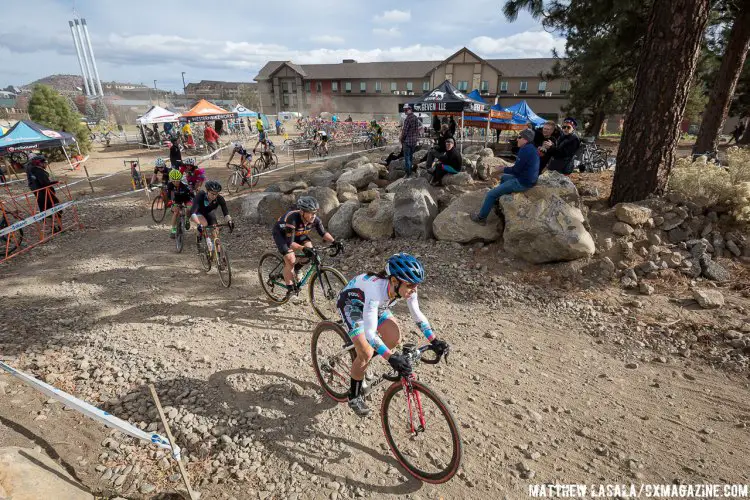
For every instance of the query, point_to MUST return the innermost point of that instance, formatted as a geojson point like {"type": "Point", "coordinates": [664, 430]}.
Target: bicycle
{"type": "Point", "coordinates": [159, 205]}
{"type": "Point", "coordinates": [432, 458]}
{"type": "Point", "coordinates": [239, 177]}
{"type": "Point", "coordinates": [11, 241]}
{"type": "Point", "coordinates": [593, 158]}
{"type": "Point", "coordinates": [183, 224]}
{"type": "Point", "coordinates": [216, 255]}
{"type": "Point", "coordinates": [271, 277]}
{"type": "Point", "coordinates": [266, 160]}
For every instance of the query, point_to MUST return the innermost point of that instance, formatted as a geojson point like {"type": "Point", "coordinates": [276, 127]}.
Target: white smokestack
{"type": "Point", "coordinates": [80, 60]}
{"type": "Point", "coordinates": [93, 60]}
{"type": "Point", "coordinates": [86, 63]}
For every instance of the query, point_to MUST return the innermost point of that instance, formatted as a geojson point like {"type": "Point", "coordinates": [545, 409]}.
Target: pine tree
{"type": "Point", "coordinates": [100, 110]}
{"type": "Point", "coordinates": [88, 110]}
{"type": "Point", "coordinates": [49, 108]}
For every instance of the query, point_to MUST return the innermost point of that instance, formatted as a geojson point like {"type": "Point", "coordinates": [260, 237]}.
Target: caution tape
{"type": "Point", "coordinates": [92, 411]}
{"type": "Point", "coordinates": [96, 179]}
{"type": "Point", "coordinates": [36, 218]}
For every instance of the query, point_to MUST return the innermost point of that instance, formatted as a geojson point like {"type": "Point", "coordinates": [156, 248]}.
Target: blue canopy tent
{"type": "Point", "coordinates": [474, 94]}
{"type": "Point", "coordinates": [27, 135]}
{"type": "Point", "coordinates": [524, 112]}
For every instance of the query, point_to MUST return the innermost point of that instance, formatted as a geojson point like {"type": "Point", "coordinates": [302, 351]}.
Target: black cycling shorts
{"type": "Point", "coordinates": [281, 242]}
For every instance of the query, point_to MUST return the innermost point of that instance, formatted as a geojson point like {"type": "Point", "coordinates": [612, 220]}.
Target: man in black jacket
{"type": "Point", "coordinates": [547, 132]}
{"type": "Point", "coordinates": [449, 163]}
{"type": "Point", "coordinates": [440, 149]}
{"type": "Point", "coordinates": [452, 125]}
{"type": "Point", "coordinates": [39, 182]}
{"type": "Point", "coordinates": [563, 152]}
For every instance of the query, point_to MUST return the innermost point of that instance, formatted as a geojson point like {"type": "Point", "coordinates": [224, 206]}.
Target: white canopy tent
{"type": "Point", "coordinates": [157, 114]}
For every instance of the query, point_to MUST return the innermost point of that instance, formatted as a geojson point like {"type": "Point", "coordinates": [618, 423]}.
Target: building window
{"type": "Point", "coordinates": [334, 86]}
{"type": "Point", "coordinates": [307, 87]}
{"type": "Point", "coordinates": [285, 87]}
{"type": "Point", "coordinates": [463, 85]}
{"type": "Point", "coordinates": [484, 86]}
{"type": "Point", "coordinates": [378, 88]}
{"type": "Point", "coordinates": [409, 87]}
{"type": "Point", "coordinates": [523, 87]}
{"type": "Point", "coordinates": [503, 87]}
{"type": "Point", "coordinates": [394, 86]}
{"type": "Point", "coordinates": [542, 87]}
{"type": "Point", "coordinates": [348, 87]}
{"type": "Point", "coordinates": [285, 100]}
{"type": "Point", "coordinates": [318, 87]}
{"type": "Point", "coordinates": [362, 87]}
{"type": "Point", "coordinates": [425, 86]}
{"type": "Point", "coordinates": [564, 87]}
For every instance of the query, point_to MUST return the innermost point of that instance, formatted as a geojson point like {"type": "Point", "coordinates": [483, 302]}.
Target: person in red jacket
{"type": "Point", "coordinates": [212, 139]}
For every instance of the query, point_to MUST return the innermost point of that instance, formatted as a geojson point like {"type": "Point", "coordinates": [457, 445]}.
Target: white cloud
{"type": "Point", "coordinates": [393, 16]}
{"type": "Point", "coordinates": [390, 32]}
{"type": "Point", "coordinates": [327, 39]}
{"type": "Point", "coordinates": [526, 44]}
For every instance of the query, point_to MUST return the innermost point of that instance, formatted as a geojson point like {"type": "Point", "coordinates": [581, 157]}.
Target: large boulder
{"type": "Point", "coordinates": [26, 474]}
{"type": "Point", "coordinates": [340, 225]}
{"type": "Point", "coordinates": [368, 195]}
{"type": "Point", "coordinates": [361, 176]}
{"type": "Point", "coordinates": [287, 187]}
{"type": "Point", "coordinates": [345, 191]}
{"type": "Point", "coordinates": [631, 214]}
{"type": "Point", "coordinates": [486, 152]}
{"type": "Point", "coordinates": [250, 206]}
{"type": "Point", "coordinates": [541, 227]}
{"type": "Point", "coordinates": [356, 162]}
{"type": "Point", "coordinates": [274, 205]}
{"type": "Point", "coordinates": [393, 186]}
{"type": "Point", "coordinates": [472, 150]}
{"type": "Point", "coordinates": [459, 179]}
{"type": "Point", "coordinates": [455, 224]}
{"type": "Point", "coordinates": [554, 183]}
{"type": "Point", "coordinates": [374, 221]}
{"type": "Point", "coordinates": [419, 156]}
{"type": "Point", "coordinates": [469, 166]}
{"type": "Point", "coordinates": [414, 209]}
{"type": "Point", "coordinates": [321, 178]}
{"type": "Point", "coordinates": [487, 165]}
{"type": "Point", "coordinates": [327, 200]}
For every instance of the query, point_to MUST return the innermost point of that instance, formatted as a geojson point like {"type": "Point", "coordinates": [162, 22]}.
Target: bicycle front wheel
{"type": "Point", "coordinates": [234, 183]}
{"type": "Point", "coordinates": [203, 255]}
{"type": "Point", "coordinates": [223, 265]}
{"type": "Point", "coordinates": [331, 362]}
{"type": "Point", "coordinates": [179, 236]}
{"type": "Point", "coordinates": [421, 432]}
{"type": "Point", "coordinates": [325, 286]}
{"type": "Point", "coordinates": [271, 277]}
{"type": "Point", "coordinates": [158, 209]}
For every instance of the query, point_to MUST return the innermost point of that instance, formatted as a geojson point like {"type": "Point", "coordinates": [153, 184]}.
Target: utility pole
{"type": "Point", "coordinates": [156, 91]}
{"type": "Point", "coordinates": [184, 88]}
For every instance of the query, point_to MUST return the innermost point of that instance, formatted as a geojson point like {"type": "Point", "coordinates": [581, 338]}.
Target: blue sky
{"type": "Point", "coordinates": [141, 41]}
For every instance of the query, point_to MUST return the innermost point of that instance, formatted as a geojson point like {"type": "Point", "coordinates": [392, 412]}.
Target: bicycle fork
{"type": "Point", "coordinates": [416, 405]}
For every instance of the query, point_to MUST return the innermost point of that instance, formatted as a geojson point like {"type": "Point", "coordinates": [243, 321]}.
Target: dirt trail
{"type": "Point", "coordinates": [537, 398]}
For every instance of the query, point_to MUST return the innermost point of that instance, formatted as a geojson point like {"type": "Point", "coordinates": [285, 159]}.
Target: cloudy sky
{"type": "Point", "coordinates": [141, 41]}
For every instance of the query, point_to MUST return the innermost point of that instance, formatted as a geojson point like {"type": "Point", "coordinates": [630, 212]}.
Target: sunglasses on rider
{"type": "Point", "coordinates": [567, 127]}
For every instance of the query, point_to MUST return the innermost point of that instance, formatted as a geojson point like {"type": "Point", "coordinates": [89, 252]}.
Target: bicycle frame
{"type": "Point", "coordinates": [313, 268]}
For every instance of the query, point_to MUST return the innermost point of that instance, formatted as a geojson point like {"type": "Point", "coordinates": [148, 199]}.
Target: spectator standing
{"type": "Point", "coordinates": [187, 132]}
{"type": "Point", "coordinates": [562, 153]}
{"type": "Point", "coordinates": [452, 125]}
{"type": "Point", "coordinates": [175, 155]}
{"type": "Point", "coordinates": [522, 176]}
{"type": "Point", "coordinates": [218, 126]}
{"type": "Point", "coordinates": [212, 139]}
{"type": "Point", "coordinates": [436, 124]}
{"type": "Point", "coordinates": [409, 137]}
{"type": "Point", "coordinates": [737, 133]}
{"type": "Point", "coordinates": [547, 132]}
{"type": "Point", "coordinates": [40, 183]}
{"type": "Point", "coordinates": [449, 163]}
{"type": "Point", "coordinates": [349, 119]}
{"type": "Point", "coordinates": [157, 136]}
{"type": "Point", "coordinates": [278, 126]}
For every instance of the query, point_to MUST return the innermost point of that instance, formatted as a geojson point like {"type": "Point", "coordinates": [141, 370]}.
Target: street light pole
{"type": "Point", "coordinates": [184, 90]}
{"type": "Point", "coordinates": [156, 91]}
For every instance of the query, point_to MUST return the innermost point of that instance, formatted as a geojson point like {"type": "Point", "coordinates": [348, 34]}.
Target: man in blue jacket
{"type": "Point", "coordinates": [518, 178]}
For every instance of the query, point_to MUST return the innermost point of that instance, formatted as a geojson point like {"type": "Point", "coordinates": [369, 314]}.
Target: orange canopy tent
{"type": "Point", "coordinates": [205, 111]}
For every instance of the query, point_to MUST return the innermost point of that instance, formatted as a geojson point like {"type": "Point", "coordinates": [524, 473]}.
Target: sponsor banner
{"type": "Point", "coordinates": [501, 115]}
{"type": "Point", "coordinates": [92, 411]}
{"type": "Point", "coordinates": [36, 218]}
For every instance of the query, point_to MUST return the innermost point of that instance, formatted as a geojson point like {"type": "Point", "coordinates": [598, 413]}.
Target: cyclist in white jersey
{"type": "Point", "coordinates": [364, 305]}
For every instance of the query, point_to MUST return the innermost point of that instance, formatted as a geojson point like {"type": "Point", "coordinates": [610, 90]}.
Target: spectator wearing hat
{"type": "Point", "coordinates": [40, 183]}
{"type": "Point", "coordinates": [562, 153]}
{"type": "Point", "coordinates": [449, 163]}
{"type": "Point", "coordinates": [516, 179]}
{"type": "Point", "coordinates": [409, 137]}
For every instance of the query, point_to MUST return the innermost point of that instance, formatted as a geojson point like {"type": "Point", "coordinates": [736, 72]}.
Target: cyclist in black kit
{"type": "Point", "coordinates": [205, 203]}
{"type": "Point", "coordinates": [290, 233]}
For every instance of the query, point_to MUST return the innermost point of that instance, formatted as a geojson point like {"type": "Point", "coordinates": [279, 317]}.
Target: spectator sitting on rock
{"type": "Point", "coordinates": [449, 163]}
{"type": "Point", "coordinates": [547, 132]}
{"type": "Point", "coordinates": [522, 176]}
{"type": "Point", "coordinates": [393, 156]}
{"type": "Point", "coordinates": [433, 153]}
{"type": "Point", "coordinates": [562, 153]}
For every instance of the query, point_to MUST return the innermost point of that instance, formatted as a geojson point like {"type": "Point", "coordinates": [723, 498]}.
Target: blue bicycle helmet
{"type": "Point", "coordinates": [405, 267]}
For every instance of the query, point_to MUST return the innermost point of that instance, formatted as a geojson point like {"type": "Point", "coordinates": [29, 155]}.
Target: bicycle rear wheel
{"type": "Point", "coordinates": [202, 249]}
{"type": "Point", "coordinates": [10, 242]}
{"type": "Point", "coordinates": [421, 432]}
{"type": "Point", "coordinates": [179, 237]}
{"type": "Point", "coordinates": [235, 181]}
{"type": "Point", "coordinates": [223, 265]}
{"type": "Point", "coordinates": [254, 177]}
{"type": "Point", "coordinates": [332, 364]}
{"type": "Point", "coordinates": [271, 277]}
{"type": "Point", "coordinates": [325, 286]}
{"type": "Point", "coordinates": [273, 161]}
{"type": "Point", "coordinates": [158, 209]}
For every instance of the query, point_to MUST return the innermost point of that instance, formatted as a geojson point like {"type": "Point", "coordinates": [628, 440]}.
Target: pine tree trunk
{"type": "Point", "coordinates": [721, 95]}
{"type": "Point", "coordinates": [597, 120]}
{"type": "Point", "coordinates": [650, 134]}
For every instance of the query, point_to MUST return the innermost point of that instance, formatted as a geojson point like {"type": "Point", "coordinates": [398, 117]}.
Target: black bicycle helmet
{"type": "Point", "coordinates": [213, 186]}
{"type": "Point", "coordinates": [308, 204]}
